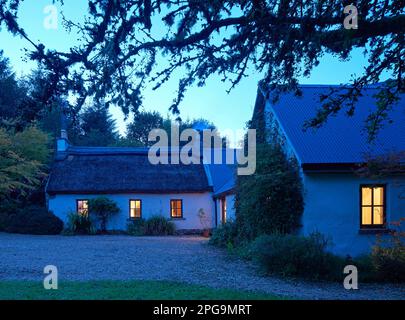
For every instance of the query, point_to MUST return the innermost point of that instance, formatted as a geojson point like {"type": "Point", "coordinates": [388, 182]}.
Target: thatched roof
{"type": "Point", "coordinates": [122, 170]}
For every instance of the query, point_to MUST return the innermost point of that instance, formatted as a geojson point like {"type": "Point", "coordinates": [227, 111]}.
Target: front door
{"type": "Point", "coordinates": [223, 210]}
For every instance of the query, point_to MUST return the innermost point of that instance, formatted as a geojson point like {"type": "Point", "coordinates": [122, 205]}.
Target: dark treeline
{"type": "Point", "coordinates": [21, 107]}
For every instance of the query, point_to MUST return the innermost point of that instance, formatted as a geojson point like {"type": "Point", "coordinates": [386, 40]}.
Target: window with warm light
{"type": "Point", "coordinates": [135, 209]}
{"type": "Point", "coordinates": [176, 208]}
{"type": "Point", "coordinates": [223, 210]}
{"type": "Point", "coordinates": [372, 201]}
{"type": "Point", "coordinates": [82, 207]}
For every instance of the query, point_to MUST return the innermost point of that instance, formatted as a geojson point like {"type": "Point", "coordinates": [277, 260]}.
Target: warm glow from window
{"type": "Point", "coordinates": [372, 206]}
{"type": "Point", "coordinates": [366, 195]}
{"type": "Point", "coordinates": [82, 207]}
{"type": "Point", "coordinates": [223, 201]}
{"type": "Point", "coordinates": [176, 208]}
{"type": "Point", "coordinates": [135, 209]}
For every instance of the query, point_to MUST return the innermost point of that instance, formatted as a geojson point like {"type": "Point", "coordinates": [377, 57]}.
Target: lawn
{"type": "Point", "coordinates": [125, 290]}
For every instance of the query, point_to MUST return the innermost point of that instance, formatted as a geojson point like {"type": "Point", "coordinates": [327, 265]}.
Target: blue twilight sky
{"type": "Point", "coordinates": [227, 111]}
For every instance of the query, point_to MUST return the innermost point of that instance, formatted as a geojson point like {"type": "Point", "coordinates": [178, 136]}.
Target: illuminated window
{"type": "Point", "coordinates": [135, 209]}
{"type": "Point", "coordinates": [372, 200]}
{"type": "Point", "coordinates": [176, 208]}
{"type": "Point", "coordinates": [82, 207]}
{"type": "Point", "coordinates": [223, 210]}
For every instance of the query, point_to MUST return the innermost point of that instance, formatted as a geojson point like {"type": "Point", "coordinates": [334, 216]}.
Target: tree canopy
{"type": "Point", "coordinates": [144, 121]}
{"type": "Point", "coordinates": [285, 39]}
{"type": "Point", "coordinates": [23, 156]}
{"type": "Point", "coordinates": [138, 130]}
{"type": "Point", "coordinates": [97, 127]}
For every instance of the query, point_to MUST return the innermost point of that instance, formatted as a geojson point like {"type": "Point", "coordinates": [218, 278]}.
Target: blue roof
{"type": "Point", "coordinates": [342, 139]}
{"type": "Point", "coordinates": [223, 175]}
{"type": "Point", "coordinates": [228, 187]}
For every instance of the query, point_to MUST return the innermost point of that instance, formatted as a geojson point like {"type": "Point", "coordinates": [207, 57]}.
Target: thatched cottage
{"type": "Point", "coordinates": [141, 189]}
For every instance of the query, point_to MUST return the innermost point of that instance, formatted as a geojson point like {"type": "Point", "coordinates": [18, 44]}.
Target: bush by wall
{"type": "Point", "coordinates": [388, 255]}
{"type": "Point", "coordinates": [271, 199]}
{"type": "Point", "coordinates": [103, 209]}
{"type": "Point", "coordinates": [292, 255]}
{"type": "Point", "coordinates": [154, 226]}
{"type": "Point", "coordinates": [136, 227]}
{"type": "Point", "coordinates": [159, 225]}
{"type": "Point", "coordinates": [33, 220]}
{"type": "Point", "coordinates": [225, 236]}
{"type": "Point", "coordinates": [79, 224]}
{"type": "Point", "coordinates": [8, 208]}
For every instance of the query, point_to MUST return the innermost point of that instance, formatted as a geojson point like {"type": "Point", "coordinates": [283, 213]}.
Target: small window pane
{"type": "Point", "coordinates": [366, 215]}
{"type": "Point", "coordinates": [82, 207]}
{"type": "Point", "coordinates": [378, 215]}
{"type": "Point", "coordinates": [176, 208]}
{"type": "Point", "coordinates": [135, 208]}
{"type": "Point", "coordinates": [366, 196]}
{"type": "Point", "coordinates": [378, 196]}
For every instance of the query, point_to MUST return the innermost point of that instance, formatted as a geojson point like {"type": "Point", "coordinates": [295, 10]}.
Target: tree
{"type": "Point", "coordinates": [21, 99]}
{"type": "Point", "coordinates": [97, 127]}
{"type": "Point", "coordinates": [11, 93]}
{"type": "Point", "coordinates": [23, 156]}
{"type": "Point", "coordinates": [103, 208]}
{"type": "Point", "coordinates": [144, 121]}
{"type": "Point", "coordinates": [271, 199]}
{"type": "Point", "coordinates": [285, 39]}
{"type": "Point", "coordinates": [138, 130]}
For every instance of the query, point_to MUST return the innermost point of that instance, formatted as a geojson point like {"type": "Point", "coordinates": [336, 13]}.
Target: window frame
{"type": "Point", "coordinates": [384, 206]}
{"type": "Point", "coordinates": [224, 209]}
{"type": "Point", "coordinates": [77, 206]}
{"type": "Point", "coordinates": [140, 209]}
{"type": "Point", "coordinates": [181, 209]}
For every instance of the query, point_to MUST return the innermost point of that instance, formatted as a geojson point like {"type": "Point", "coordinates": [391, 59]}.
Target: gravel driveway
{"type": "Point", "coordinates": [187, 259]}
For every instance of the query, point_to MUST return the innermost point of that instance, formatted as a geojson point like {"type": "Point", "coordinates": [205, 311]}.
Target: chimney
{"type": "Point", "coordinates": [62, 143]}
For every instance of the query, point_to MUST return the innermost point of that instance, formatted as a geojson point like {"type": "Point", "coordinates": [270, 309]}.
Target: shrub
{"type": "Point", "coordinates": [136, 227]}
{"type": "Point", "coordinates": [34, 220]}
{"type": "Point", "coordinates": [79, 224]}
{"type": "Point", "coordinates": [292, 255]}
{"type": "Point", "coordinates": [271, 199]}
{"type": "Point", "coordinates": [103, 208]}
{"type": "Point", "coordinates": [366, 270]}
{"type": "Point", "coordinates": [4, 217]}
{"type": "Point", "coordinates": [8, 208]}
{"type": "Point", "coordinates": [159, 225]}
{"type": "Point", "coordinates": [225, 235]}
{"type": "Point", "coordinates": [388, 256]}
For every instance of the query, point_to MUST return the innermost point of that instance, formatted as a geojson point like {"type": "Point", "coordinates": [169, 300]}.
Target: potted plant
{"type": "Point", "coordinates": [204, 220]}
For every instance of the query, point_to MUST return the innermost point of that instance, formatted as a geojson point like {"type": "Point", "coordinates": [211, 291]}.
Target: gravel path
{"type": "Point", "coordinates": [187, 259]}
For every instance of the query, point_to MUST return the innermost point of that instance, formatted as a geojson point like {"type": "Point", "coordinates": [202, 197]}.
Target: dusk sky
{"type": "Point", "coordinates": [226, 111]}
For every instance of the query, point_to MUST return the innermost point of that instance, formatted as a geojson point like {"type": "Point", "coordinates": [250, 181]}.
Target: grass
{"type": "Point", "coordinates": [123, 290]}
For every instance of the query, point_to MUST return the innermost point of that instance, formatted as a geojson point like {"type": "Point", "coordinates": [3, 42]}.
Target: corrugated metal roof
{"type": "Point", "coordinates": [342, 139]}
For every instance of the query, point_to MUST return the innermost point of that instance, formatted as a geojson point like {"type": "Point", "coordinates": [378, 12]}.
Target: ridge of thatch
{"type": "Point", "coordinates": [110, 171]}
